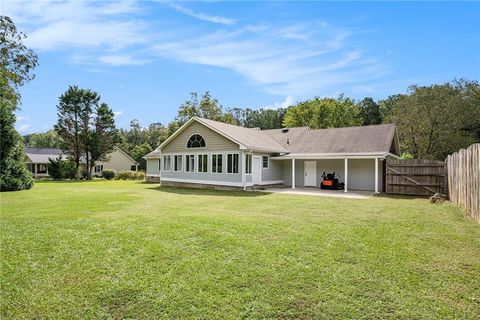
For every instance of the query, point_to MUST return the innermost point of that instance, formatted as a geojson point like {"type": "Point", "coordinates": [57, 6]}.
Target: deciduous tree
{"type": "Point", "coordinates": [323, 113]}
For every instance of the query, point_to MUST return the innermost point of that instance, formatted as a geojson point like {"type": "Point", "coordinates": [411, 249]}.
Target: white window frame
{"type": "Point", "coordinates": [268, 162]}
{"type": "Point", "coordinates": [175, 158]}
{"type": "Point", "coordinates": [100, 166]}
{"type": "Point", "coordinates": [196, 148]}
{"type": "Point", "coordinates": [248, 165]}
{"type": "Point", "coordinates": [216, 162]}
{"type": "Point", "coordinates": [233, 161]}
{"type": "Point", "coordinates": [187, 158]}
{"type": "Point", "coordinates": [203, 155]}
{"type": "Point", "coordinates": [169, 156]}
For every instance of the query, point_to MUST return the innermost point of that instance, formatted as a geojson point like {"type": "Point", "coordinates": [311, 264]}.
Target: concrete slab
{"type": "Point", "coordinates": [321, 193]}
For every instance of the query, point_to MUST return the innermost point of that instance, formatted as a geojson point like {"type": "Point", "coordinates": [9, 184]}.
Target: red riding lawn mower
{"type": "Point", "coordinates": [331, 182]}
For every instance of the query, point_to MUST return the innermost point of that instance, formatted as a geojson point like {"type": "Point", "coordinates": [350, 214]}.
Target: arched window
{"type": "Point", "coordinates": [196, 141]}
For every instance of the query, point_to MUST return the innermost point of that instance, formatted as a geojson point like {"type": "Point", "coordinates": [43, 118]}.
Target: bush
{"type": "Point", "coordinates": [61, 169]}
{"type": "Point", "coordinates": [122, 175]}
{"type": "Point", "coordinates": [130, 175]}
{"type": "Point", "coordinates": [139, 175]}
{"type": "Point", "coordinates": [108, 174]}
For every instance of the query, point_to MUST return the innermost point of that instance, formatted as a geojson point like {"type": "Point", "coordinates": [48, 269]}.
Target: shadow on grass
{"type": "Point", "coordinates": [209, 192]}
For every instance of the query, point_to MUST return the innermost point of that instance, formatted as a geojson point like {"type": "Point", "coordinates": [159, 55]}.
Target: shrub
{"type": "Point", "coordinates": [108, 174]}
{"type": "Point", "coordinates": [122, 175]}
{"type": "Point", "coordinates": [139, 175]}
{"type": "Point", "coordinates": [130, 175]}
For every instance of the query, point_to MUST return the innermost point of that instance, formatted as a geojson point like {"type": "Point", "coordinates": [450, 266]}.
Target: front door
{"type": "Point", "coordinates": [256, 170]}
{"type": "Point", "coordinates": [310, 174]}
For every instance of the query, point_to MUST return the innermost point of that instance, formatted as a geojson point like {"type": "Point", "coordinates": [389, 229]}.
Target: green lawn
{"type": "Point", "coordinates": [115, 249]}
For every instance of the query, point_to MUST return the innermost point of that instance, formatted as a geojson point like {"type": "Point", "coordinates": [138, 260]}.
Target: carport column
{"type": "Point", "coordinates": [376, 175]}
{"type": "Point", "coordinates": [346, 175]}
{"type": "Point", "coordinates": [293, 173]}
{"type": "Point", "coordinates": [244, 170]}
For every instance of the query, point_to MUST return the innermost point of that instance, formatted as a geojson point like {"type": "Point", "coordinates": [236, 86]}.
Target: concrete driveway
{"type": "Point", "coordinates": [321, 193]}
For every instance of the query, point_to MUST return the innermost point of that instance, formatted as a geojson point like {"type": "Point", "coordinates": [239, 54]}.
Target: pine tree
{"type": "Point", "coordinates": [104, 135]}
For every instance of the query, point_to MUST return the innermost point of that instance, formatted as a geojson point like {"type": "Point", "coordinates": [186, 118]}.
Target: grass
{"type": "Point", "coordinates": [122, 249]}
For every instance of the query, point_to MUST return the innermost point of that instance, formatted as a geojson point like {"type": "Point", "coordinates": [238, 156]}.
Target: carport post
{"type": "Point", "coordinates": [376, 175]}
{"type": "Point", "coordinates": [346, 175]}
{"type": "Point", "coordinates": [293, 173]}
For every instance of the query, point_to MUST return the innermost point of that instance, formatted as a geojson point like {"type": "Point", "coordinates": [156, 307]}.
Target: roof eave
{"type": "Point", "coordinates": [364, 155]}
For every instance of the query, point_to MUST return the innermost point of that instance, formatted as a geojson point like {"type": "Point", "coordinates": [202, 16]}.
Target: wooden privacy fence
{"type": "Point", "coordinates": [415, 177]}
{"type": "Point", "coordinates": [464, 179]}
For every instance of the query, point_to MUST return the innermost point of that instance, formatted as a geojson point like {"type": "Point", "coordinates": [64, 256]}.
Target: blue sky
{"type": "Point", "coordinates": [144, 58]}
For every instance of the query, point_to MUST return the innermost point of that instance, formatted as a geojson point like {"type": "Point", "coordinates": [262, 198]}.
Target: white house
{"type": "Point", "coordinates": [206, 153]}
{"type": "Point", "coordinates": [37, 160]}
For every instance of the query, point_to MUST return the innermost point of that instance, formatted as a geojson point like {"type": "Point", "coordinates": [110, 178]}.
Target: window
{"type": "Point", "coordinates": [248, 163]}
{"type": "Point", "coordinates": [177, 163]}
{"type": "Point", "coordinates": [232, 163]}
{"type": "Point", "coordinates": [202, 163]}
{"type": "Point", "coordinates": [217, 163]}
{"type": "Point", "coordinates": [265, 162]}
{"type": "Point", "coordinates": [98, 168]}
{"type": "Point", "coordinates": [190, 163]}
{"type": "Point", "coordinates": [196, 141]}
{"type": "Point", "coordinates": [159, 165]}
{"type": "Point", "coordinates": [41, 168]}
{"type": "Point", "coordinates": [167, 163]}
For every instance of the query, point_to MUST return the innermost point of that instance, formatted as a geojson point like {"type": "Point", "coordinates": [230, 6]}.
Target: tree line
{"type": "Point", "coordinates": [433, 121]}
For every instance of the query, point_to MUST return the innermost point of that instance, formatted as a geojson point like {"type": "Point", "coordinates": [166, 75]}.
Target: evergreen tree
{"type": "Point", "coordinates": [103, 137]}
{"type": "Point", "coordinates": [16, 65]}
{"type": "Point", "coordinates": [72, 114]}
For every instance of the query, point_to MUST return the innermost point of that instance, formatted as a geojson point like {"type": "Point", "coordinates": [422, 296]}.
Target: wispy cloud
{"type": "Point", "coordinates": [80, 25]}
{"type": "Point", "coordinates": [201, 16]}
{"type": "Point", "coordinates": [24, 128]}
{"type": "Point", "coordinates": [294, 58]}
{"type": "Point", "coordinates": [316, 56]}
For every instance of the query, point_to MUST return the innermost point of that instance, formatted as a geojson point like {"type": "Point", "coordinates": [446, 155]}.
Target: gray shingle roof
{"type": "Point", "coordinates": [41, 155]}
{"type": "Point", "coordinates": [351, 140]}
{"type": "Point", "coordinates": [362, 140]}
{"type": "Point", "coordinates": [154, 154]}
{"type": "Point", "coordinates": [250, 138]}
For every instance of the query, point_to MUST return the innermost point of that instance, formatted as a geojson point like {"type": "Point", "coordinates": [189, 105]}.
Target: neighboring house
{"type": "Point", "coordinates": [37, 160]}
{"type": "Point", "coordinates": [209, 153]}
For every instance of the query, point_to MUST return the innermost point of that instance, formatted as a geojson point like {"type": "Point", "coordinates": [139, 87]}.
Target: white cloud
{"type": "Point", "coordinates": [62, 25]}
{"type": "Point", "coordinates": [202, 16]}
{"type": "Point", "coordinates": [289, 101]}
{"type": "Point", "coordinates": [24, 128]}
{"type": "Point", "coordinates": [121, 60]}
{"type": "Point", "coordinates": [117, 114]}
